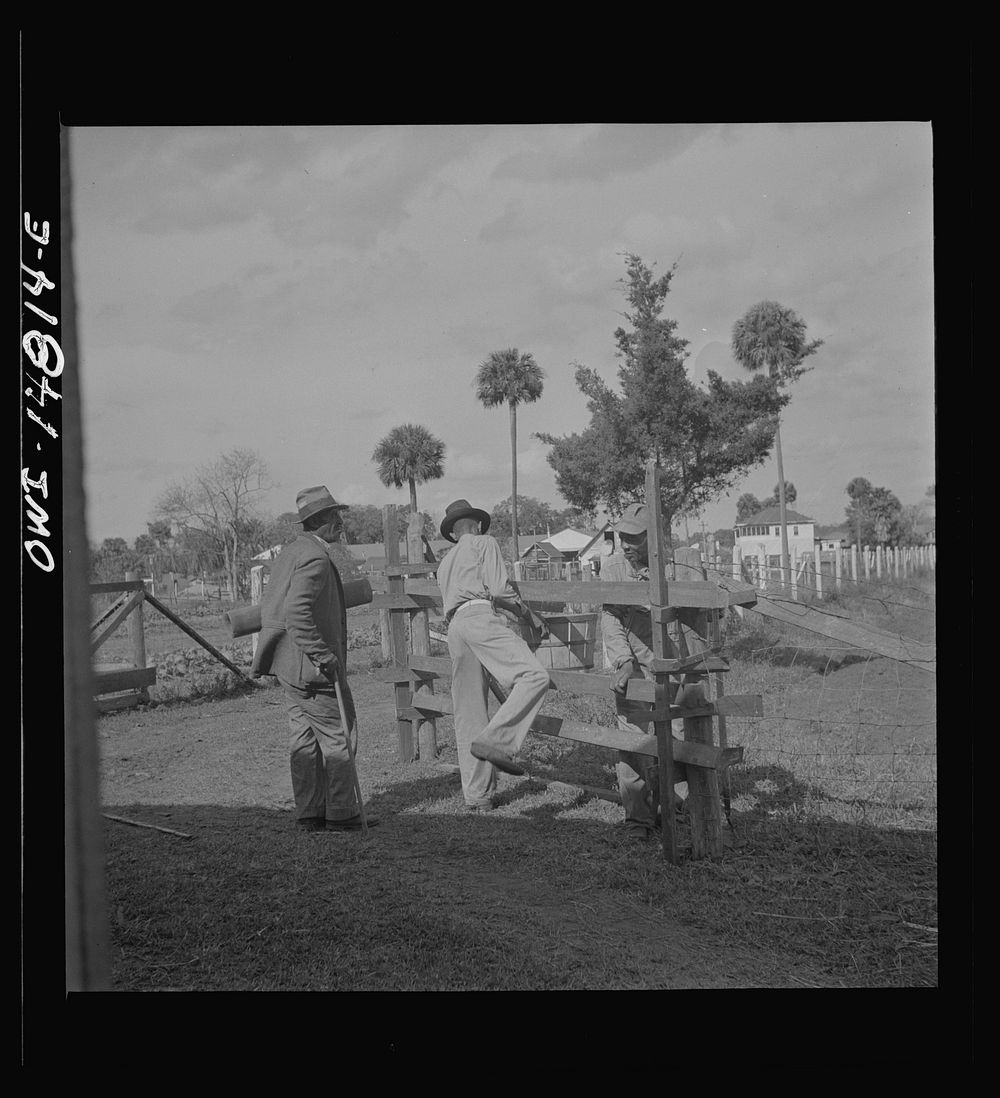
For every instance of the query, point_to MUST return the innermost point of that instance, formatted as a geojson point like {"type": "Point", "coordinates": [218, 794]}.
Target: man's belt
{"type": "Point", "coordinates": [468, 602]}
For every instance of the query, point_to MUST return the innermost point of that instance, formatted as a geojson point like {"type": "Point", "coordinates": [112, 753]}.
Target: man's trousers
{"type": "Point", "coordinates": [322, 779]}
{"type": "Point", "coordinates": [639, 775]}
{"type": "Point", "coordinates": [478, 638]}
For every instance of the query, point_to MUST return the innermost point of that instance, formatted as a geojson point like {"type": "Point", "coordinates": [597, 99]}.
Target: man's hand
{"type": "Point", "coordinates": [330, 668]}
{"type": "Point", "coordinates": [619, 678]}
{"type": "Point", "coordinates": [538, 623]}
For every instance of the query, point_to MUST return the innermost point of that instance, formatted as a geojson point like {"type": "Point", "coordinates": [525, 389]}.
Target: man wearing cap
{"type": "Point", "coordinates": [303, 642]}
{"type": "Point", "coordinates": [474, 583]}
{"type": "Point", "coordinates": [627, 632]}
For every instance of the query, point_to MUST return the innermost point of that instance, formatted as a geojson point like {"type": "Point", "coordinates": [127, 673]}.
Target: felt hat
{"type": "Point", "coordinates": [313, 501]}
{"type": "Point", "coordinates": [460, 509]}
{"type": "Point", "coordinates": [634, 520]}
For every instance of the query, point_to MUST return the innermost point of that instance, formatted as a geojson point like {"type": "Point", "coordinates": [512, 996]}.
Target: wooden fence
{"type": "Point", "coordinates": [687, 663]}
{"type": "Point", "coordinates": [120, 687]}
{"type": "Point", "coordinates": [826, 570]}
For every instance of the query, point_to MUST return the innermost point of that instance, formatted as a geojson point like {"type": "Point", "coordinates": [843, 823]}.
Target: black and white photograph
{"type": "Point", "coordinates": [494, 556]}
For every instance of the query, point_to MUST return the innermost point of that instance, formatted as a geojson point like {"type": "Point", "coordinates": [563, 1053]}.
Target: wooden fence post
{"type": "Point", "coordinates": [425, 729]}
{"type": "Point", "coordinates": [395, 585]}
{"type": "Point", "coordinates": [819, 571]}
{"type": "Point", "coordinates": [256, 594]}
{"type": "Point", "coordinates": [838, 564]}
{"type": "Point", "coordinates": [704, 805]}
{"type": "Point", "coordinates": [878, 561]}
{"type": "Point", "coordinates": [662, 648]}
{"type": "Point", "coordinates": [854, 564]}
{"type": "Point", "coordinates": [795, 568]}
{"type": "Point", "coordinates": [137, 634]}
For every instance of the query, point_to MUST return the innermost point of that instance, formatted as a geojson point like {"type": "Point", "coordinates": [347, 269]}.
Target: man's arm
{"type": "Point", "coordinates": [307, 584]}
{"type": "Point", "coordinates": [617, 646]}
{"type": "Point", "coordinates": [504, 592]}
{"type": "Point", "coordinates": [493, 569]}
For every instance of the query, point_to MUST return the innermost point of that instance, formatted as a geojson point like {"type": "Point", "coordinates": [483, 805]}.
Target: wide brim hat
{"type": "Point", "coordinates": [313, 501]}
{"type": "Point", "coordinates": [635, 519]}
{"type": "Point", "coordinates": [461, 509]}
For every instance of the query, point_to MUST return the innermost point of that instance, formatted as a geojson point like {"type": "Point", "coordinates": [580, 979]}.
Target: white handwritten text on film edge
{"type": "Point", "coordinates": [37, 345]}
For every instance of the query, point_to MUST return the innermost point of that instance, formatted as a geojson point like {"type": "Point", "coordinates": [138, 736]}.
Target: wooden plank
{"type": "Point", "coordinates": [136, 631]}
{"type": "Point", "coordinates": [152, 827]}
{"type": "Point", "coordinates": [698, 594]}
{"type": "Point", "coordinates": [106, 613]}
{"type": "Point", "coordinates": [121, 701]}
{"type": "Point", "coordinates": [401, 601]}
{"type": "Point", "coordinates": [662, 649]}
{"type": "Point", "coordinates": [703, 801]}
{"type": "Point", "coordinates": [621, 739]}
{"type": "Point", "coordinates": [732, 705]}
{"type": "Point", "coordinates": [426, 706]}
{"type": "Point", "coordinates": [104, 588]}
{"type": "Point", "coordinates": [677, 593]}
{"type": "Point", "coordinates": [893, 646]}
{"type": "Point", "coordinates": [397, 638]}
{"type": "Point", "coordinates": [194, 635]}
{"type": "Point", "coordinates": [582, 682]}
{"type": "Point", "coordinates": [115, 621]}
{"type": "Point", "coordinates": [700, 661]}
{"type": "Point", "coordinates": [738, 591]}
{"type": "Point", "coordinates": [420, 568]}
{"type": "Point", "coordinates": [439, 665]}
{"type": "Point", "coordinates": [132, 678]}
{"type": "Point", "coordinates": [420, 639]}
{"type": "Point", "coordinates": [401, 674]}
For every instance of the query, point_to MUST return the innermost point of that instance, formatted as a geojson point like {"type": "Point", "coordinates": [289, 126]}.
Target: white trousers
{"type": "Point", "coordinates": [477, 639]}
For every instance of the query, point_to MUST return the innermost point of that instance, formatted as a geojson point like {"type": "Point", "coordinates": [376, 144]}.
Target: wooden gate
{"type": "Point", "coordinates": [686, 666]}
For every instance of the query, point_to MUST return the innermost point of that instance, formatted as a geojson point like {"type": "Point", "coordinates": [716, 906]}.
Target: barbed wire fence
{"type": "Point", "coordinates": [848, 736]}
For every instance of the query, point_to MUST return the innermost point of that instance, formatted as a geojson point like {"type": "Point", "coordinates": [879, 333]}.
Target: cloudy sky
{"type": "Point", "coordinates": [301, 291]}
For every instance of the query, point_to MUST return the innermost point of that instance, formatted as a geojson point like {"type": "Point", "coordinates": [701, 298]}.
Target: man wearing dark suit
{"type": "Point", "coordinates": [303, 642]}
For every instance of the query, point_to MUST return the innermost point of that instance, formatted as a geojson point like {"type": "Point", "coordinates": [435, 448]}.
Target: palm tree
{"type": "Point", "coordinates": [510, 378]}
{"type": "Point", "coordinates": [858, 491]}
{"type": "Point", "coordinates": [769, 336]}
{"type": "Point", "coordinates": [409, 454]}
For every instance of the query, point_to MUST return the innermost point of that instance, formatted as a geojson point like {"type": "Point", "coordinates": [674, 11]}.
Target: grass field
{"type": "Point", "coordinates": [828, 879]}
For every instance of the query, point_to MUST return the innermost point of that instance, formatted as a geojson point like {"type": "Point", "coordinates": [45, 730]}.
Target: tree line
{"type": "Point", "coordinates": [202, 540]}
{"type": "Point", "coordinates": [705, 437]}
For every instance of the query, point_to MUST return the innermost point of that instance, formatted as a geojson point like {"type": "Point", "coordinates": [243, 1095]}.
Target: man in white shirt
{"type": "Point", "coordinates": [474, 580]}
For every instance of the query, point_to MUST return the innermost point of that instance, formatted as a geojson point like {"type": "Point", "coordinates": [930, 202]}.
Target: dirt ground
{"type": "Point", "coordinates": [192, 767]}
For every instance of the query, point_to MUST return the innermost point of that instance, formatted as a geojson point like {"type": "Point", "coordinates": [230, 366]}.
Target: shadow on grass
{"type": "Point", "coordinates": [776, 653]}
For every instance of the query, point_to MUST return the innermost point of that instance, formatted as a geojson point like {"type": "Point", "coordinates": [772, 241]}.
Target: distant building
{"type": "Point", "coordinates": [759, 537]}
{"type": "Point", "coordinates": [580, 549]}
{"type": "Point", "coordinates": [542, 560]}
{"type": "Point", "coordinates": [831, 540]}
{"type": "Point", "coordinates": [267, 554]}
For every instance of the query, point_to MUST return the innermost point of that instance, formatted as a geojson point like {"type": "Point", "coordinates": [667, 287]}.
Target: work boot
{"type": "Point", "coordinates": [500, 759]}
{"type": "Point", "coordinates": [311, 823]}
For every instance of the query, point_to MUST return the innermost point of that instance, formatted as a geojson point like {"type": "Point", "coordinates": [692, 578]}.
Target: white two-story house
{"type": "Point", "coordinates": [759, 537]}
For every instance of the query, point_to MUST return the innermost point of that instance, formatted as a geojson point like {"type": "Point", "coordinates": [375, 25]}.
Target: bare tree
{"type": "Point", "coordinates": [219, 500]}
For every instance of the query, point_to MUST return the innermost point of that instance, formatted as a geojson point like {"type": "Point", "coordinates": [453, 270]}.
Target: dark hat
{"type": "Point", "coordinates": [460, 509]}
{"type": "Point", "coordinates": [635, 519]}
{"type": "Point", "coordinates": [313, 501]}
